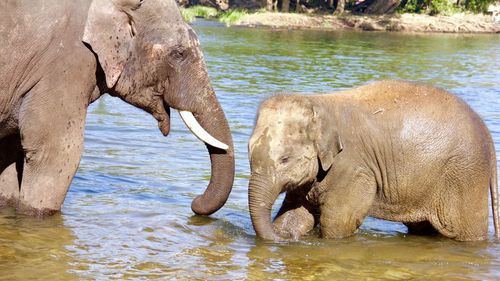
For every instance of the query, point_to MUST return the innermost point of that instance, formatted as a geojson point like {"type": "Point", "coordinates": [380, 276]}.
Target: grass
{"type": "Point", "coordinates": [232, 16]}
{"type": "Point", "coordinates": [190, 14]}
{"type": "Point", "coordinates": [227, 17]}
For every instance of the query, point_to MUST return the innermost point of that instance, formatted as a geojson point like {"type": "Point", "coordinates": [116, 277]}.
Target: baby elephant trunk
{"type": "Point", "coordinates": [261, 196]}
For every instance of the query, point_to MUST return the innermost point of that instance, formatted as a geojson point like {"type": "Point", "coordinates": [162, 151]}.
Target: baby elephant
{"type": "Point", "coordinates": [392, 150]}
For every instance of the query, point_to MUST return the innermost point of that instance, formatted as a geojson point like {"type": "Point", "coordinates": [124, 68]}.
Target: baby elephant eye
{"type": "Point", "coordinates": [284, 159]}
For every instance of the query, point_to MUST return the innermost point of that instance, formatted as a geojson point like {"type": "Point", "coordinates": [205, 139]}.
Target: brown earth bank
{"type": "Point", "coordinates": [458, 23]}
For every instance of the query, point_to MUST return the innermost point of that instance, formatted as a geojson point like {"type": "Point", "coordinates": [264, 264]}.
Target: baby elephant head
{"type": "Point", "coordinates": [290, 145]}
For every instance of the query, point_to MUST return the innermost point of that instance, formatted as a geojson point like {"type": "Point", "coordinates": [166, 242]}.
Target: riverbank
{"type": "Point", "coordinates": [458, 23]}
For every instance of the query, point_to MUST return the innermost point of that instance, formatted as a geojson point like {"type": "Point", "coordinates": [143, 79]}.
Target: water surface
{"type": "Point", "coordinates": [127, 215]}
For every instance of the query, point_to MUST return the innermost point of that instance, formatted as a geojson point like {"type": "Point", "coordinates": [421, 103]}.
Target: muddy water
{"type": "Point", "coordinates": [127, 215]}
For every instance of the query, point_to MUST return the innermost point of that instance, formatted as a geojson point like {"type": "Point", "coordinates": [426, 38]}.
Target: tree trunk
{"type": "Point", "coordinates": [340, 7]}
{"type": "Point", "coordinates": [270, 5]}
{"type": "Point", "coordinates": [285, 6]}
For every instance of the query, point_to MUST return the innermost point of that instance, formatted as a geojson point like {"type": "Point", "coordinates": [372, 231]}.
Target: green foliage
{"type": "Point", "coordinates": [205, 12]}
{"type": "Point", "coordinates": [445, 7]}
{"type": "Point", "coordinates": [413, 6]}
{"type": "Point", "coordinates": [232, 16]}
{"type": "Point", "coordinates": [228, 17]}
{"type": "Point", "coordinates": [190, 14]}
{"type": "Point", "coordinates": [479, 6]}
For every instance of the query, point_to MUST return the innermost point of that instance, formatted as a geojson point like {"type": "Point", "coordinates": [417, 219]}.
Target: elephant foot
{"type": "Point", "coordinates": [294, 223]}
{"type": "Point", "coordinates": [7, 202]}
{"type": "Point", "coordinates": [25, 209]}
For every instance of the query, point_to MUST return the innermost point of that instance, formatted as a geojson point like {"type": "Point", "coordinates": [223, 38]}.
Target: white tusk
{"type": "Point", "coordinates": [199, 132]}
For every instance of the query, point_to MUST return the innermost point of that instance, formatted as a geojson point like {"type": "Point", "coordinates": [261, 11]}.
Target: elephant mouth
{"type": "Point", "coordinates": [163, 117]}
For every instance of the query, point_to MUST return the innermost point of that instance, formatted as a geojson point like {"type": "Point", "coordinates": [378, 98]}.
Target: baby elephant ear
{"type": "Point", "coordinates": [328, 143]}
{"type": "Point", "coordinates": [109, 33]}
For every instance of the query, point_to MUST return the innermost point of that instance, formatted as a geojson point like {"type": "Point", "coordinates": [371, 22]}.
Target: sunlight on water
{"type": "Point", "coordinates": [127, 215]}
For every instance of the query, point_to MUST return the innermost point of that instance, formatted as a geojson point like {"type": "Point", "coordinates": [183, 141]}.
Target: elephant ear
{"type": "Point", "coordinates": [109, 32]}
{"type": "Point", "coordinates": [327, 142]}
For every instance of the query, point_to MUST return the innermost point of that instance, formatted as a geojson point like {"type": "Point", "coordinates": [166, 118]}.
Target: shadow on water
{"type": "Point", "coordinates": [127, 215]}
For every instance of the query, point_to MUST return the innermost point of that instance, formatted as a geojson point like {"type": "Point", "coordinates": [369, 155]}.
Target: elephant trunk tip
{"type": "Point", "coordinates": [199, 207]}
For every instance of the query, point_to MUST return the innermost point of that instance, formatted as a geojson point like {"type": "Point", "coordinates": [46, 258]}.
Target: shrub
{"type": "Point", "coordinates": [190, 14]}
{"type": "Point", "coordinates": [232, 16]}
{"type": "Point", "coordinates": [445, 7]}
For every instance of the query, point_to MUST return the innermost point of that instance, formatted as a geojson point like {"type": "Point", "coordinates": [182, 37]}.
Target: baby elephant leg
{"type": "Point", "coordinates": [295, 218]}
{"type": "Point", "coordinates": [346, 205]}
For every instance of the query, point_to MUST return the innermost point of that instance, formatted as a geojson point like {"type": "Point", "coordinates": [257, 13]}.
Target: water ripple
{"type": "Point", "coordinates": [127, 215]}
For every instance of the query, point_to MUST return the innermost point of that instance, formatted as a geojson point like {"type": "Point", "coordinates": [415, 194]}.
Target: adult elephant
{"type": "Point", "coordinates": [57, 57]}
{"type": "Point", "coordinates": [393, 150]}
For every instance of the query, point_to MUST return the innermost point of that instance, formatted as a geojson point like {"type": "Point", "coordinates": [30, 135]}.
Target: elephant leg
{"type": "Point", "coordinates": [461, 212]}
{"type": "Point", "coordinates": [11, 159]}
{"type": "Point", "coordinates": [295, 217]}
{"type": "Point", "coordinates": [49, 166]}
{"type": "Point", "coordinates": [52, 128]}
{"type": "Point", "coordinates": [346, 204]}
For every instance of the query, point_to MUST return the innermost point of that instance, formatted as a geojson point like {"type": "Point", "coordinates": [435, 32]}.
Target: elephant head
{"type": "Point", "coordinates": [289, 147]}
{"type": "Point", "coordinates": [150, 58]}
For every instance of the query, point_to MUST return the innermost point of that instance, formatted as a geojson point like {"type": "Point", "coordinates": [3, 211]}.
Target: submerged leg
{"type": "Point", "coordinates": [295, 217]}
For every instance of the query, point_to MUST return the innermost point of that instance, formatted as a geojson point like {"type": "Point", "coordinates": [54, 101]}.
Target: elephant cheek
{"type": "Point", "coordinates": [261, 159]}
{"type": "Point", "coordinates": [157, 52]}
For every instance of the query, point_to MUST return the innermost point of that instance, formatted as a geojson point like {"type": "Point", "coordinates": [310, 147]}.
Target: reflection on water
{"type": "Point", "coordinates": [127, 215]}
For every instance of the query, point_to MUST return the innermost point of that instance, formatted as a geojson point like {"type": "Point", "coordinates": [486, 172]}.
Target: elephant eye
{"type": "Point", "coordinates": [139, 4]}
{"type": "Point", "coordinates": [178, 54]}
{"type": "Point", "coordinates": [284, 159]}
{"type": "Point", "coordinates": [133, 5]}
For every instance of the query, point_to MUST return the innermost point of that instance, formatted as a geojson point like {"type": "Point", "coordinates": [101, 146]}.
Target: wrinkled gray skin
{"type": "Point", "coordinates": [392, 150]}
{"type": "Point", "coordinates": [57, 57]}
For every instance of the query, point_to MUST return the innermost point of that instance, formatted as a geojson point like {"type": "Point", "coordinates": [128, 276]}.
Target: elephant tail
{"type": "Point", "coordinates": [494, 192]}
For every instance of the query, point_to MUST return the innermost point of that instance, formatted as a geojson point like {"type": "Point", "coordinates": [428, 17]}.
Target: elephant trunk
{"type": "Point", "coordinates": [211, 117]}
{"type": "Point", "coordinates": [262, 194]}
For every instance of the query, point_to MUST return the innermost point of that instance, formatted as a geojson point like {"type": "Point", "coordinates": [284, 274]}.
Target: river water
{"type": "Point", "coordinates": [127, 215]}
